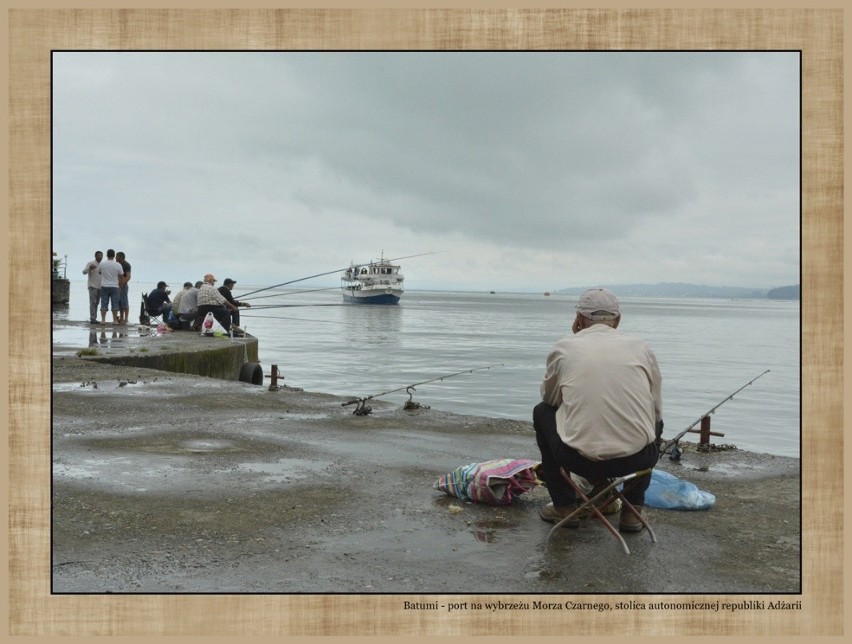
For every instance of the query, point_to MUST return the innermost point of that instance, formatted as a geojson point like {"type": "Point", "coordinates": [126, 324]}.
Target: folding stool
{"type": "Point", "coordinates": [603, 498]}
{"type": "Point", "coordinates": [146, 315]}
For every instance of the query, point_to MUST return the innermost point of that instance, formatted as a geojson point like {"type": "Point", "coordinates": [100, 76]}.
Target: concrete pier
{"type": "Point", "coordinates": [170, 482]}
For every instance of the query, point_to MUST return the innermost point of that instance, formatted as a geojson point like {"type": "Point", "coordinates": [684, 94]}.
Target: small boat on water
{"type": "Point", "coordinates": [378, 282]}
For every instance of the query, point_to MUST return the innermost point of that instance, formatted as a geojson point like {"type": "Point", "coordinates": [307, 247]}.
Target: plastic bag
{"type": "Point", "coordinates": [493, 482]}
{"type": "Point", "coordinates": [671, 493]}
{"type": "Point", "coordinates": [207, 324]}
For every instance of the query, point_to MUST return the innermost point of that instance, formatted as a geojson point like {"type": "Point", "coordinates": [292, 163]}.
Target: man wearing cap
{"type": "Point", "coordinates": [601, 409]}
{"type": "Point", "coordinates": [212, 301]}
{"type": "Point", "coordinates": [159, 302]}
{"type": "Point", "coordinates": [225, 290]}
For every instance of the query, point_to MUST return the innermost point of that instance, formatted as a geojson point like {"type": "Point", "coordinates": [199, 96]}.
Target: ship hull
{"type": "Point", "coordinates": [372, 298]}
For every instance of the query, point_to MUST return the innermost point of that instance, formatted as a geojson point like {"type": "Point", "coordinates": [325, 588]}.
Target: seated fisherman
{"type": "Point", "coordinates": [188, 307]}
{"type": "Point", "coordinates": [212, 301]}
{"type": "Point", "coordinates": [225, 290]}
{"type": "Point", "coordinates": [173, 320]}
{"type": "Point", "coordinates": [159, 302]}
{"type": "Point", "coordinates": [602, 408]}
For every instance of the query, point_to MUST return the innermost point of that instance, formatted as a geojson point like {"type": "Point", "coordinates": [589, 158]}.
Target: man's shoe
{"type": "Point", "coordinates": [629, 522]}
{"type": "Point", "coordinates": [550, 514]}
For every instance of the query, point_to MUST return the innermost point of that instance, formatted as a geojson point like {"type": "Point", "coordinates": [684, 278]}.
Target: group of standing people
{"type": "Point", "coordinates": [108, 286]}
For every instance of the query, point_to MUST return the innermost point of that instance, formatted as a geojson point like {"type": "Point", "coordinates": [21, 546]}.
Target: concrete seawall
{"type": "Point", "coordinates": [141, 346]}
{"type": "Point", "coordinates": [223, 362]}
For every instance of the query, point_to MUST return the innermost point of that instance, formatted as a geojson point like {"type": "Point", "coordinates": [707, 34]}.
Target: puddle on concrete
{"type": "Point", "coordinates": [174, 469]}
{"type": "Point", "coordinates": [287, 469]}
{"type": "Point", "coordinates": [727, 469]}
{"type": "Point", "coordinates": [103, 339]}
{"type": "Point", "coordinates": [207, 445]}
{"type": "Point", "coordinates": [291, 416]}
{"type": "Point", "coordinates": [91, 337]}
{"type": "Point", "coordinates": [112, 386]}
{"type": "Point", "coordinates": [433, 541]}
{"type": "Point", "coordinates": [126, 474]}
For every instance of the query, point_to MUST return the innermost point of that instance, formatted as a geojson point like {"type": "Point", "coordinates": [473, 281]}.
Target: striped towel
{"type": "Point", "coordinates": [493, 482]}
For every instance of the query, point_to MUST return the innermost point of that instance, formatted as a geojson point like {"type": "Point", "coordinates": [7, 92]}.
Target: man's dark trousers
{"type": "Point", "coordinates": [556, 454]}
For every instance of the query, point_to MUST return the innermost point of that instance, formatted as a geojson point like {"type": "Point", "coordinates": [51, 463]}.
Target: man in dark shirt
{"type": "Point", "coordinates": [159, 302]}
{"type": "Point", "coordinates": [123, 289]}
{"type": "Point", "coordinates": [225, 290]}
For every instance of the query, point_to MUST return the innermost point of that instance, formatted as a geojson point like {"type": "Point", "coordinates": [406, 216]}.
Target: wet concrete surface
{"type": "Point", "coordinates": [168, 483]}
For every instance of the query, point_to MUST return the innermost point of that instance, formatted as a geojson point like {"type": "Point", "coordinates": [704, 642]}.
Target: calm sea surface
{"type": "Point", "coordinates": [707, 349]}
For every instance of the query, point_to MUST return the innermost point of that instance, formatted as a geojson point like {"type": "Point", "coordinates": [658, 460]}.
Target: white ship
{"type": "Point", "coordinates": [378, 282]}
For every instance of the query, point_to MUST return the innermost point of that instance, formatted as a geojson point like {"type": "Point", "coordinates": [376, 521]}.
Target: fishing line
{"type": "Point", "coordinates": [284, 317]}
{"type": "Point", "coordinates": [265, 307]}
{"type": "Point", "coordinates": [314, 290]}
{"type": "Point", "coordinates": [337, 270]}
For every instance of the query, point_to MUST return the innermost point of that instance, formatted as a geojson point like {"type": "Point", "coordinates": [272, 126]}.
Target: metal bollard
{"type": "Point", "coordinates": [273, 384]}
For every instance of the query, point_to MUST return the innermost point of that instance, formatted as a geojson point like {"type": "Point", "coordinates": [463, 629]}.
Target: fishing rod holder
{"type": "Point", "coordinates": [411, 404]}
{"type": "Point", "coordinates": [362, 409]}
{"type": "Point", "coordinates": [703, 440]}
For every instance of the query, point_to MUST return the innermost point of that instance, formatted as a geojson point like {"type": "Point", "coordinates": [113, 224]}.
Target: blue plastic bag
{"type": "Point", "coordinates": [671, 493]}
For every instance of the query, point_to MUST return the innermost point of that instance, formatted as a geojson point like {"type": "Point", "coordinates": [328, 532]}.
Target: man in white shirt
{"type": "Point", "coordinates": [94, 284]}
{"type": "Point", "coordinates": [601, 409]}
{"type": "Point", "coordinates": [110, 272]}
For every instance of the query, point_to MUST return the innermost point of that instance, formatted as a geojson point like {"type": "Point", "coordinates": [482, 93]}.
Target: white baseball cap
{"type": "Point", "coordinates": [598, 304]}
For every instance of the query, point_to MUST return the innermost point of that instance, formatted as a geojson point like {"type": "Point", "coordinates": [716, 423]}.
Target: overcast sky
{"type": "Point", "coordinates": [522, 171]}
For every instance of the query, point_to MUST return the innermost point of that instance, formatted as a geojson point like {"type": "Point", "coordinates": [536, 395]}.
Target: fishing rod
{"type": "Point", "coordinates": [266, 307]}
{"type": "Point", "coordinates": [673, 443]}
{"type": "Point", "coordinates": [363, 410]}
{"type": "Point", "coordinates": [312, 290]}
{"type": "Point", "coordinates": [337, 270]}
{"type": "Point", "coordinates": [284, 317]}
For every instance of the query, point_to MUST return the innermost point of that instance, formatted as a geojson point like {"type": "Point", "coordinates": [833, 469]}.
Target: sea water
{"type": "Point", "coordinates": [706, 348]}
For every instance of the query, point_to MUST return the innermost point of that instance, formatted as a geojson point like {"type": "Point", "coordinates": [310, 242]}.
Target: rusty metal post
{"type": "Point", "coordinates": [273, 385]}
{"type": "Point", "coordinates": [704, 438]}
{"type": "Point", "coordinates": [704, 432]}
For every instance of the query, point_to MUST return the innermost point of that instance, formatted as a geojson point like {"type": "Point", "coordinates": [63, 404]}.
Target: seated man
{"type": "Point", "coordinates": [226, 293]}
{"type": "Point", "coordinates": [602, 408]}
{"type": "Point", "coordinates": [176, 300]}
{"type": "Point", "coordinates": [188, 307]}
{"type": "Point", "coordinates": [173, 320]}
{"type": "Point", "coordinates": [159, 302]}
{"type": "Point", "coordinates": [212, 301]}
